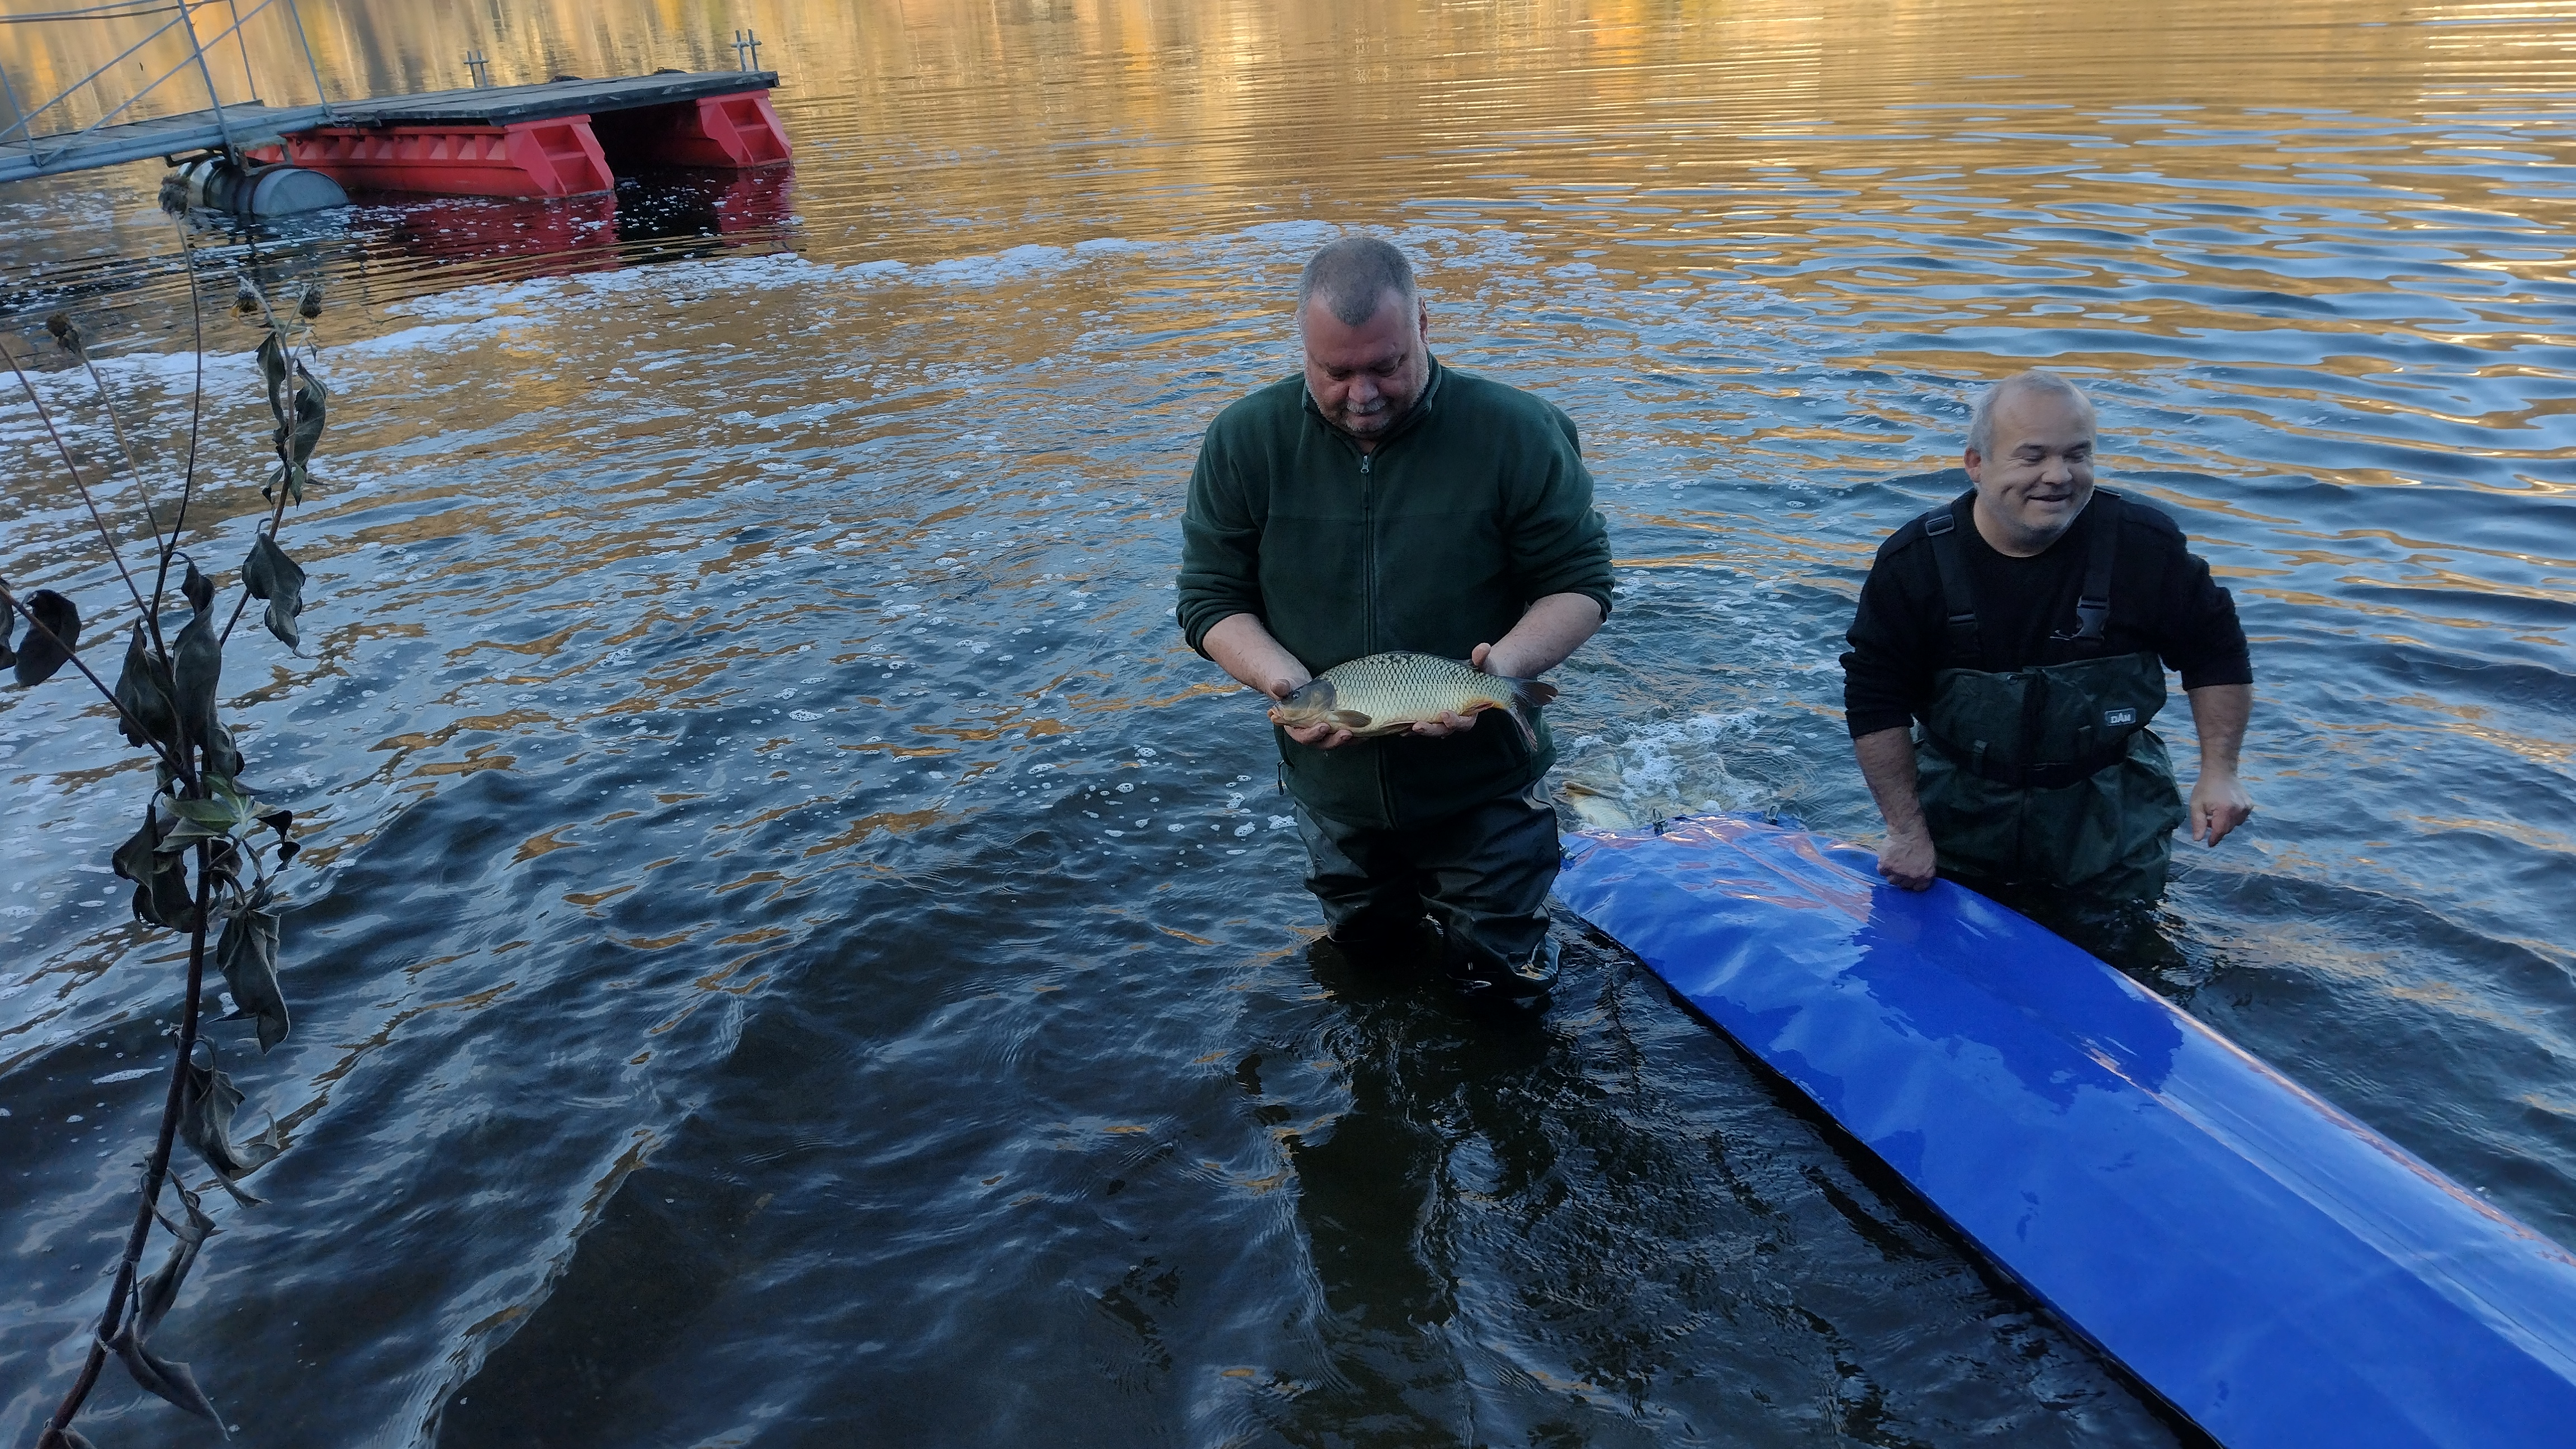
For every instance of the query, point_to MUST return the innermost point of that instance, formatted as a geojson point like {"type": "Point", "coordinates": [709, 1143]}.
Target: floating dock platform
{"type": "Point", "coordinates": [2279, 1273]}
{"type": "Point", "coordinates": [565, 137]}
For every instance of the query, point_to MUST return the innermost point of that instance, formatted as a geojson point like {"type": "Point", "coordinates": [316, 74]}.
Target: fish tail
{"type": "Point", "coordinates": [1527, 696]}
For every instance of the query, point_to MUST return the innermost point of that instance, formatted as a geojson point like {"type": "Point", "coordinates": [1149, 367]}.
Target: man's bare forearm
{"type": "Point", "coordinates": [1886, 758]}
{"type": "Point", "coordinates": [1551, 629]}
{"type": "Point", "coordinates": [1887, 763]}
{"type": "Point", "coordinates": [2218, 802]}
{"type": "Point", "coordinates": [1241, 645]}
{"type": "Point", "coordinates": [2219, 713]}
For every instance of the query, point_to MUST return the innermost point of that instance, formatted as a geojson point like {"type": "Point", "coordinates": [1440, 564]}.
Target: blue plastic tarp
{"type": "Point", "coordinates": [2278, 1272]}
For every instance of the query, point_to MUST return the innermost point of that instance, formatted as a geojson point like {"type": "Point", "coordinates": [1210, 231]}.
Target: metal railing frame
{"type": "Point", "coordinates": [184, 18]}
{"type": "Point", "coordinates": [28, 119]}
{"type": "Point", "coordinates": [223, 123]}
{"type": "Point", "coordinates": [242, 43]}
{"type": "Point", "coordinates": [321, 97]}
{"type": "Point", "coordinates": [9, 93]}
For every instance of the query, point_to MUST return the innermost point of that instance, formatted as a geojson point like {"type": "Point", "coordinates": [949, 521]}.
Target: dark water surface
{"type": "Point", "coordinates": [795, 951]}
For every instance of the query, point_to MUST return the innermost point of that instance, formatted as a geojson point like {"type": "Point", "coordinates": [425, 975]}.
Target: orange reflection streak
{"type": "Point", "coordinates": [543, 843]}
{"type": "Point", "coordinates": [892, 822]}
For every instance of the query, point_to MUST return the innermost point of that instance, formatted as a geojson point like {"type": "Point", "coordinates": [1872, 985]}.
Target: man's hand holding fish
{"type": "Point", "coordinates": [1327, 735]}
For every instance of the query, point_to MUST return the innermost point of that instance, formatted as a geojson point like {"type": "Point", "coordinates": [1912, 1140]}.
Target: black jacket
{"type": "Point", "coordinates": [1476, 506]}
{"type": "Point", "coordinates": [2163, 602]}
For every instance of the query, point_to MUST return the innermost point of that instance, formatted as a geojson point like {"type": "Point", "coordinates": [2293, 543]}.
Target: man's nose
{"type": "Point", "coordinates": [2057, 468]}
{"type": "Point", "coordinates": [1363, 390]}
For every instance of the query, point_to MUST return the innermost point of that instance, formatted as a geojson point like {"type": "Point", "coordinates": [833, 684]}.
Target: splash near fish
{"type": "Point", "coordinates": [1385, 694]}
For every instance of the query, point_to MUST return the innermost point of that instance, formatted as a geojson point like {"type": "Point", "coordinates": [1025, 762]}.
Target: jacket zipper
{"type": "Point", "coordinates": [1368, 602]}
{"type": "Point", "coordinates": [1368, 555]}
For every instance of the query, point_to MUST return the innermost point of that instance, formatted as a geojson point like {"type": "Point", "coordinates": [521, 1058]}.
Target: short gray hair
{"type": "Point", "coordinates": [1981, 423]}
{"type": "Point", "coordinates": [1353, 276]}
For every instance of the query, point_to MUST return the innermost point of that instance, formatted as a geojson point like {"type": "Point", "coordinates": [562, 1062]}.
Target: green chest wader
{"type": "Point", "coordinates": [2049, 774]}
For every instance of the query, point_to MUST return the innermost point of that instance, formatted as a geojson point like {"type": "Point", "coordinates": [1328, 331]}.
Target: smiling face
{"type": "Point", "coordinates": [1363, 378]}
{"type": "Point", "coordinates": [2040, 475]}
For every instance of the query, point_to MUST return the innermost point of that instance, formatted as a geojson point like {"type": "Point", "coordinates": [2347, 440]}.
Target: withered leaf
{"type": "Point", "coordinates": [197, 673]}
{"type": "Point", "coordinates": [223, 757]}
{"type": "Point", "coordinates": [161, 895]}
{"type": "Point", "coordinates": [291, 476]}
{"type": "Point", "coordinates": [307, 398]}
{"type": "Point", "coordinates": [247, 955]}
{"type": "Point", "coordinates": [198, 589]}
{"type": "Point", "coordinates": [154, 1296]}
{"type": "Point", "coordinates": [159, 1376]}
{"type": "Point", "coordinates": [283, 822]}
{"type": "Point", "coordinates": [269, 574]}
{"type": "Point", "coordinates": [53, 632]}
{"type": "Point", "coordinates": [207, 1101]}
{"type": "Point", "coordinates": [198, 1225]}
{"type": "Point", "coordinates": [272, 371]}
{"type": "Point", "coordinates": [145, 693]}
{"type": "Point", "coordinates": [223, 868]}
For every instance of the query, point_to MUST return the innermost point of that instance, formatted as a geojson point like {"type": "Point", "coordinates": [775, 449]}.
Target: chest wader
{"type": "Point", "coordinates": [2048, 774]}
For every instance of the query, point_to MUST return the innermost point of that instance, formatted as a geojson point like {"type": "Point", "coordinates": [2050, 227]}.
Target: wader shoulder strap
{"type": "Point", "coordinates": [2093, 605]}
{"type": "Point", "coordinates": [1943, 529]}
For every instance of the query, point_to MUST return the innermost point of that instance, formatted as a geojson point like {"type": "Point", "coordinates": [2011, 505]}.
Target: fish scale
{"type": "Point", "coordinates": [1389, 693]}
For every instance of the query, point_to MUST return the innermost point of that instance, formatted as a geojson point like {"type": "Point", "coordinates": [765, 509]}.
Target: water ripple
{"type": "Point", "coordinates": [789, 938]}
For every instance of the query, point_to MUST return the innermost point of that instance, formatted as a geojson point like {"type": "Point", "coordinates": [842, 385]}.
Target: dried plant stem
{"type": "Point", "coordinates": [285, 458]}
{"type": "Point", "coordinates": [155, 1172]}
{"type": "Point", "coordinates": [150, 618]}
{"type": "Point", "coordinates": [10, 601]}
{"type": "Point", "coordinates": [196, 408]}
{"type": "Point", "coordinates": [135, 1303]}
{"type": "Point", "coordinates": [133, 469]}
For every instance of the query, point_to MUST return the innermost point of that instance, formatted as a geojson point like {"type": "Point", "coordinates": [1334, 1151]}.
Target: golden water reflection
{"type": "Point", "coordinates": [1756, 246]}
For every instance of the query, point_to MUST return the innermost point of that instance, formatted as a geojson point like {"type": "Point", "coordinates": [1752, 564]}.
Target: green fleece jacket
{"type": "Point", "coordinates": [1475, 506]}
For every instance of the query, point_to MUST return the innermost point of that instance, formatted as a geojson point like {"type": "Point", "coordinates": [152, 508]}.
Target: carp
{"type": "Point", "coordinates": [1385, 694]}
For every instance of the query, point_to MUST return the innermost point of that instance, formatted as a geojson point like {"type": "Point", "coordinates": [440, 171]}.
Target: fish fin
{"type": "Point", "coordinates": [1527, 696]}
{"type": "Point", "coordinates": [1349, 719]}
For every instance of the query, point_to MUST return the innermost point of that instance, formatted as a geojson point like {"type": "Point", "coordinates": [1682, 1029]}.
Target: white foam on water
{"type": "Point", "coordinates": [1673, 767]}
{"type": "Point", "coordinates": [226, 368]}
{"type": "Point", "coordinates": [581, 291]}
{"type": "Point", "coordinates": [1289, 241]}
{"type": "Point", "coordinates": [408, 340]}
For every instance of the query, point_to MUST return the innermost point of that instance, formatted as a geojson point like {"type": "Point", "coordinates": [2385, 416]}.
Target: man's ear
{"type": "Point", "coordinates": [1422, 318]}
{"type": "Point", "coordinates": [1975, 463]}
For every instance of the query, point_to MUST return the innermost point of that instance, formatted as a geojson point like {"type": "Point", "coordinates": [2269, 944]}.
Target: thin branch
{"type": "Point", "coordinates": [157, 1171]}
{"type": "Point", "coordinates": [123, 1290]}
{"type": "Point", "coordinates": [285, 454]}
{"type": "Point", "coordinates": [150, 514]}
{"type": "Point", "coordinates": [37, 626]}
{"type": "Point", "coordinates": [196, 406]}
{"type": "Point", "coordinates": [65, 449]}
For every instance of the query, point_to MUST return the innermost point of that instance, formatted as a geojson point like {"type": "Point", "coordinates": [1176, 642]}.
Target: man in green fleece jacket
{"type": "Point", "coordinates": [1378, 502]}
